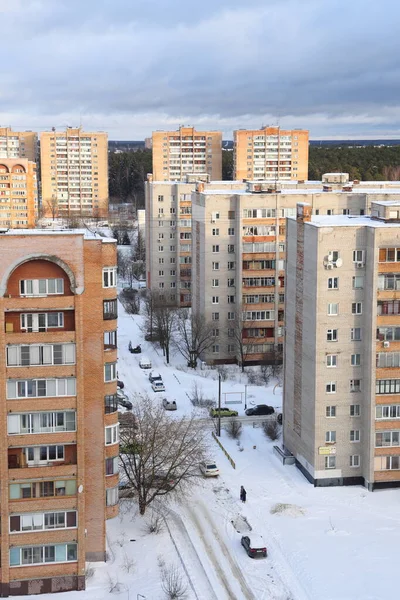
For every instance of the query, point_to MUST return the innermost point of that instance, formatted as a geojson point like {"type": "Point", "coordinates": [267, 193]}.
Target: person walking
{"type": "Point", "coordinates": [243, 494]}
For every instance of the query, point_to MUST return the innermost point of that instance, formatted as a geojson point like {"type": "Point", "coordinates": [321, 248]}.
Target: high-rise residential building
{"type": "Point", "coordinates": [239, 252]}
{"type": "Point", "coordinates": [270, 154]}
{"type": "Point", "coordinates": [18, 144]}
{"type": "Point", "coordinates": [185, 152]}
{"type": "Point", "coordinates": [74, 173]}
{"type": "Point", "coordinates": [168, 234]}
{"type": "Point", "coordinates": [342, 346]}
{"type": "Point", "coordinates": [18, 193]}
{"type": "Point", "coordinates": [148, 143]}
{"type": "Point", "coordinates": [59, 420]}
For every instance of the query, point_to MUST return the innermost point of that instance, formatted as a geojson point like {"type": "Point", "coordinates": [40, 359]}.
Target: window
{"type": "Point", "coordinates": [231, 300]}
{"type": "Point", "coordinates": [39, 455]}
{"type": "Point", "coordinates": [330, 462]}
{"type": "Point", "coordinates": [112, 434]}
{"type": "Point", "coordinates": [231, 316]}
{"type": "Point", "coordinates": [41, 422]}
{"type": "Point", "coordinates": [331, 360]}
{"type": "Point", "coordinates": [41, 287]}
{"type": "Point", "coordinates": [110, 310]}
{"type": "Point", "coordinates": [112, 496]}
{"type": "Point", "coordinates": [215, 231]}
{"type": "Point", "coordinates": [46, 354]}
{"type": "Point", "coordinates": [231, 248]}
{"type": "Point", "coordinates": [215, 348]}
{"type": "Point", "coordinates": [355, 360]}
{"type": "Point", "coordinates": [331, 387]}
{"type": "Point", "coordinates": [356, 308]}
{"type": "Point", "coordinates": [110, 371]}
{"type": "Point", "coordinates": [330, 437]}
{"type": "Point", "coordinates": [355, 334]}
{"type": "Point", "coordinates": [42, 521]}
{"type": "Point", "coordinates": [387, 463]}
{"type": "Point", "coordinates": [215, 333]}
{"type": "Point", "coordinates": [38, 388]}
{"type": "Point", "coordinates": [354, 435]}
{"type": "Point", "coordinates": [161, 248]}
{"type": "Point", "coordinates": [231, 214]}
{"type": "Point", "coordinates": [215, 249]}
{"type": "Point", "coordinates": [389, 254]}
{"type": "Point", "coordinates": [390, 411]}
{"type": "Point", "coordinates": [215, 316]}
{"type": "Point", "coordinates": [110, 403]}
{"type": "Point", "coordinates": [333, 309]}
{"type": "Point", "coordinates": [358, 256]}
{"type": "Point", "coordinates": [355, 410]}
{"type": "Point", "coordinates": [355, 385]}
{"type": "Point", "coordinates": [112, 465]}
{"type": "Point", "coordinates": [331, 412]}
{"type": "Point", "coordinates": [215, 266]}
{"type": "Point", "coordinates": [231, 282]}
{"type": "Point", "coordinates": [215, 299]}
{"type": "Point", "coordinates": [387, 438]}
{"type": "Point", "coordinates": [333, 283]}
{"type": "Point", "coordinates": [231, 231]}
{"type": "Point", "coordinates": [231, 266]}
{"type": "Point", "coordinates": [160, 198]}
{"type": "Point", "coordinates": [41, 321]}
{"type": "Point", "coordinates": [42, 489]}
{"type": "Point", "coordinates": [35, 555]}
{"type": "Point", "coordinates": [355, 460]}
{"type": "Point", "coordinates": [110, 340]}
{"type": "Point", "coordinates": [387, 386]}
{"type": "Point", "coordinates": [358, 282]}
{"type": "Point", "coordinates": [215, 283]}
{"type": "Point", "coordinates": [332, 335]}
{"type": "Point", "coordinates": [110, 277]}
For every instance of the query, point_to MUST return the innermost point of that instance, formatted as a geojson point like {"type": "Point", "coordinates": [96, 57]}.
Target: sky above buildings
{"type": "Point", "coordinates": [131, 66]}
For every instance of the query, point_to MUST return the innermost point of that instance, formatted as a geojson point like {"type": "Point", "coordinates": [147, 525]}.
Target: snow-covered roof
{"type": "Point", "coordinates": [348, 221]}
{"type": "Point", "coordinates": [88, 235]}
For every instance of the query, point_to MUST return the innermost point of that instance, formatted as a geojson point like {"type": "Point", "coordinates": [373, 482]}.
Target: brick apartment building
{"type": "Point", "coordinates": [18, 193]}
{"type": "Point", "coordinates": [342, 346]}
{"type": "Point", "coordinates": [186, 151]}
{"type": "Point", "coordinates": [59, 421]}
{"type": "Point", "coordinates": [270, 153]}
{"type": "Point", "coordinates": [18, 144]}
{"type": "Point", "coordinates": [74, 173]}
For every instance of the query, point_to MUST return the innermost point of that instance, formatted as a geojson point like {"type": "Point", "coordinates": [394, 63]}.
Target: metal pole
{"type": "Point", "coordinates": [219, 406]}
{"type": "Point", "coordinates": [245, 397]}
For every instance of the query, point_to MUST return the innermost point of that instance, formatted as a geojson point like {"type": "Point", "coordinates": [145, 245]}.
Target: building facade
{"type": "Point", "coordinates": [342, 346]}
{"type": "Point", "coordinates": [18, 144]}
{"type": "Point", "coordinates": [186, 151]}
{"type": "Point", "coordinates": [270, 154]}
{"type": "Point", "coordinates": [18, 193]}
{"type": "Point", "coordinates": [59, 422]}
{"type": "Point", "coordinates": [74, 173]}
{"type": "Point", "coordinates": [239, 254]}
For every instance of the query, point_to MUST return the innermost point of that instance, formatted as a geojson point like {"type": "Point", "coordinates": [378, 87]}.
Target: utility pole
{"type": "Point", "coordinates": [219, 406]}
{"type": "Point", "coordinates": [245, 397]}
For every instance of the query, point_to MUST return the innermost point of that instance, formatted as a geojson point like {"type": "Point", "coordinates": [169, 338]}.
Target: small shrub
{"type": "Point", "coordinates": [128, 564]}
{"type": "Point", "coordinates": [197, 397]}
{"type": "Point", "coordinates": [265, 374]}
{"type": "Point", "coordinates": [252, 377]}
{"type": "Point", "coordinates": [271, 429]}
{"type": "Point", "coordinates": [223, 371]}
{"type": "Point", "coordinates": [155, 524]}
{"type": "Point", "coordinates": [172, 583]}
{"type": "Point", "coordinates": [121, 540]}
{"type": "Point", "coordinates": [113, 585]}
{"type": "Point", "coordinates": [234, 429]}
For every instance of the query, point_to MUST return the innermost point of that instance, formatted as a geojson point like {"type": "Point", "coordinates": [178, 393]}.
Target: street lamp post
{"type": "Point", "coordinates": [245, 397]}
{"type": "Point", "coordinates": [219, 406]}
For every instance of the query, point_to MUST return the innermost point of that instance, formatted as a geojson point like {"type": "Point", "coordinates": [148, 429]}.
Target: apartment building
{"type": "Point", "coordinates": [342, 348]}
{"type": "Point", "coordinates": [74, 173]}
{"type": "Point", "coordinates": [238, 259]}
{"type": "Point", "coordinates": [18, 193]}
{"type": "Point", "coordinates": [59, 420]}
{"type": "Point", "coordinates": [18, 144]}
{"type": "Point", "coordinates": [168, 234]}
{"type": "Point", "coordinates": [186, 151]}
{"type": "Point", "coordinates": [270, 154]}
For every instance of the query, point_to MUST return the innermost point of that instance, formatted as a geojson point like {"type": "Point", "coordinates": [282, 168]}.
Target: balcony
{"type": "Point", "coordinates": [17, 459]}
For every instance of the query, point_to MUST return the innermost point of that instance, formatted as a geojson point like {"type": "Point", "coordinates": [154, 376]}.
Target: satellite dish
{"type": "Point", "coordinates": [80, 489]}
{"type": "Point", "coordinates": [339, 262]}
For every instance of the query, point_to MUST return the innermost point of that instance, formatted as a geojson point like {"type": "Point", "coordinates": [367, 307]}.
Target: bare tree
{"type": "Point", "coordinates": [160, 454]}
{"type": "Point", "coordinates": [165, 321]}
{"type": "Point", "coordinates": [194, 336]}
{"type": "Point", "coordinates": [52, 207]}
{"type": "Point", "coordinates": [237, 332]}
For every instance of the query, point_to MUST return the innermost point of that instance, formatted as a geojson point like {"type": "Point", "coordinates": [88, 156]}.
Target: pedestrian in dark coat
{"type": "Point", "coordinates": [242, 494]}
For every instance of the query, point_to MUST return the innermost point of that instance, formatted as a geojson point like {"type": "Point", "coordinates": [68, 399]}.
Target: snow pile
{"type": "Point", "coordinates": [241, 524]}
{"type": "Point", "coordinates": [288, 510]}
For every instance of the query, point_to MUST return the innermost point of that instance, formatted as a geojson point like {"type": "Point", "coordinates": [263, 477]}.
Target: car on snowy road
{"type": "Point", "coordinates": [154, 376]}
{"type": "Point", "coordinates": [209, 469]}
{"type": "Point", "coordinates": [169, 404]}
{"type": "Point", "coordinates": [158, 386]}
{"type": "Point", "coordinates": [223, 412]}
{"type": "Point", "coordinates": [254, 545]}
{"type": "Point", "coordinates": [260, 409]}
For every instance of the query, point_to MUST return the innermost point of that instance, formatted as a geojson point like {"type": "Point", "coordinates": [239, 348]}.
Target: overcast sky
{"type": "Point", "coordinates": [131, 66]}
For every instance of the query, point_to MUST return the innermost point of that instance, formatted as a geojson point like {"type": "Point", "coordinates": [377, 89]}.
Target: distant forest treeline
{"type": "Point", "coordinates": [128, 170]}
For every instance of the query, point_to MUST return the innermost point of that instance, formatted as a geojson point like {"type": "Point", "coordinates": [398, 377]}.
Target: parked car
{"type": "Point", "coordinates": [163, 481]}
{"type": "Point", "coordinates": [209, 469]}
{"type": "Point", "coordinates": [125, 403]}
{"type": "Point", "coordinates": [134, 350]}
{"type": "Point", "coordinates": [254, 545]}
{"type": "Point", "coordinates": [154, 376]}
{"type": "Point", "coordinates": [260, 409]}
{"type": "Point", "coordinates": [158, 386]}
{"type": "Point", "coordinates": [169, 404]}
{"type": "Point", "coordinates": [120, 384]}
{"type": "Point", "coordinates": [223, 412]}
{"type": "Point", "coordinates": [145, 363]}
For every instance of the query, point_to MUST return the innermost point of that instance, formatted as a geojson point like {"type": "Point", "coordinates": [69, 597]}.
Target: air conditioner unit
{"type": "Point", "coordinates": [329, 265]}
{"type": "Point", "coordinates": [330, 257]}
{"type": "Point", "coordinates": [359, 265]}
{"type": "Point", "coordinates": [386, 344]}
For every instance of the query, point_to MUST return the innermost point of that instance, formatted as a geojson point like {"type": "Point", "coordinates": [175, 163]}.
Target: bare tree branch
{"type": "Point", "coordinates": [194, 336]}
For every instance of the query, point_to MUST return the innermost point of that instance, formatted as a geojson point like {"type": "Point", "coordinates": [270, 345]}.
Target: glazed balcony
{"type": "Point", "coordinates": [17, 459]}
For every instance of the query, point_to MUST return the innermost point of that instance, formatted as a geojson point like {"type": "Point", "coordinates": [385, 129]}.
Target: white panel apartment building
{"type": "Point", "coordinates": [342, 346]}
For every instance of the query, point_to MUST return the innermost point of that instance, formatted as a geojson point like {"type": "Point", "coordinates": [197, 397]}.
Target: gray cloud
{"type": "Point", "coordinates": [133, 65]}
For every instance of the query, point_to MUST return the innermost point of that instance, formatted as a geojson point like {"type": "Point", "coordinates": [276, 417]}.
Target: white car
{"type": "Point", "coordinates": [169, 404]}
{"type": "Point", "coordinates": [209, 469]}
{"type": "Point", "coordinates": [145, 363]}
{"type": "Point", "coordinates": [158, 386]}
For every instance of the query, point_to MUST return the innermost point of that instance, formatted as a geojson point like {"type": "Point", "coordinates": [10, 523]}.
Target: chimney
{"type": "Point", "coordinates": [200, 186]}
{"type": "Point", "coordinates": [304, 212]}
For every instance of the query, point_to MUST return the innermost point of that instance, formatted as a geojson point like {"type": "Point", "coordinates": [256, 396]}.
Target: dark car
{"type": "Point", "coordinates": [125, 403]}
{"type": "Point", "coordinates": [154, 376]}
{"type": "Point", "coordinates": [120, 384]}
{"type": "Point", "coordinates": [254, 545]}
{"type": "Point", "coordinates": [260, 409]}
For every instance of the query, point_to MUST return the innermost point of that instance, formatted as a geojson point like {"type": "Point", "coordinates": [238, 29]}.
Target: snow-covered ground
{"type": "Point", "coordinates": [323, 543]}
